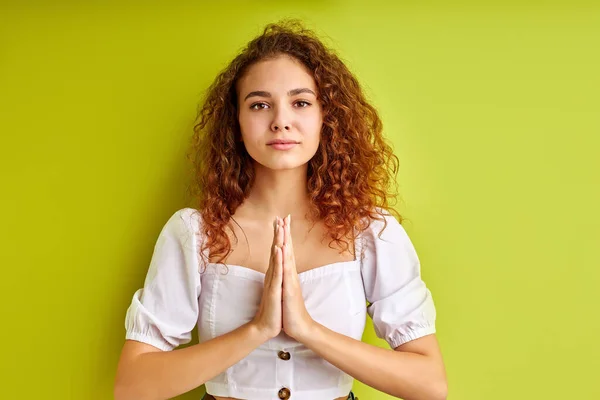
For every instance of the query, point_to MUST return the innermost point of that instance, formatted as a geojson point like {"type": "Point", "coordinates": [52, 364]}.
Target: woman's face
{"type": "Point", "coordinates": [277, 99]}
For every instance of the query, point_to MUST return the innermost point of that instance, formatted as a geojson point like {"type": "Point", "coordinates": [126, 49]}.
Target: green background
{"type": "Point", "coordinates": [493, 111]}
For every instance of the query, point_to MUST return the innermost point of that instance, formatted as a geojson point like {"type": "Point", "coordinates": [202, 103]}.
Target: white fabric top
{"type": "Point", "coordinates": [176, 297]}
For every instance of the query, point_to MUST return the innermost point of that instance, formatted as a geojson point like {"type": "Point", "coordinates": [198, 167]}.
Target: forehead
{"type": "Point", "coordinates": [276, 75]}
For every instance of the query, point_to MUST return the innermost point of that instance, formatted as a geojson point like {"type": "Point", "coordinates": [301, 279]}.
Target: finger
{"type": "Point", "coordinates": [280, 237]}
{"type": "Point", "coordinates": [284, 223]}
{"type": "Point", "coordinates": [280, 242]}
{"type": "Point", "coordinates": [274, 239]}
{"type": "Point", "coordinates": [272, 261]}
{"type": "Point", "coordinates": [289, 248]}
{"type": "Point", "coordinates": [285, 242]}
{"type": "Point", "coordinates": [276, 275]}
{"type": "Point", "coordinates": [269, 273]}
{"type": "Point", "coordinates": [285, 257]}
{"type": "Point", "coordinates": [278, 233]}
{"type": "Point", "coordinates": [288, 226]}
{"type": "Point", "coordinates": [275, 224]}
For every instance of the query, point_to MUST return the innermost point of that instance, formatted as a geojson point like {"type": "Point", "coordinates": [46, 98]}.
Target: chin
{"type": "Point", "coordinates": [282, 164]}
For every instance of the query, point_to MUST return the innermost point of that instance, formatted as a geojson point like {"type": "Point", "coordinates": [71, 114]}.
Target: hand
{"type": "Point", "coordinates": [297, 322]}
{"type": "Point", "coordinates": [268, 317]}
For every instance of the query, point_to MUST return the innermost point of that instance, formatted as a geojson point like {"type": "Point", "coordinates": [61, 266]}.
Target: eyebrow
{"type": "Point", "coordinates": [293, 92]}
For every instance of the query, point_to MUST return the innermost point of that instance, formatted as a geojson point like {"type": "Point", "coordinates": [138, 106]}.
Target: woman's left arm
{"type": "Point", "coordinates": [402, 311]}
{"type": "Point", "coordinates": [412, 371]}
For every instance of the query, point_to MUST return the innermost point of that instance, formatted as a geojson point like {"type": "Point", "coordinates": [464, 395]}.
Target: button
{"type": "Point", "coordinates": [284, 393]}
{"type": "Point", "coordinates": [284, 355]}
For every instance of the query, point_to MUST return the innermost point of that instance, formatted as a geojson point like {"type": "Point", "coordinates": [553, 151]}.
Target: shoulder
{"type": "Point", "coordinates": [385, 227]}
{"type": "Point", "coordinates": [190, 217]}
{"type": "Point", "coordinates": [386, 239]}
{"type": "Point", "coordinates": [183, 222]}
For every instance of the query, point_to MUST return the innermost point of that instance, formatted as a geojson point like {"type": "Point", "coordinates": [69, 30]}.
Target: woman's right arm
{"type": "Point", "coordinates": [164, 312]}
{"type": "Point", "coordinates": [145, 372]}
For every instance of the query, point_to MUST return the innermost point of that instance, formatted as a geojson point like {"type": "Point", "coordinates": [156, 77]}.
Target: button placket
{"type": "Point", "coordinates": [284, 374]}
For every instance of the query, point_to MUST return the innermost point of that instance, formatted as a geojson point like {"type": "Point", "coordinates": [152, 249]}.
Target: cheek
{"type": "Point", "coordinates": [315, 120]}
{"type": "Point", "coordinates": [312, 126]}
{"type": "Point", "coordinates": [250, 125]}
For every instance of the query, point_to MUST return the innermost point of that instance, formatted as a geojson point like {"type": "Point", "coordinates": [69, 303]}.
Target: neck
{"type": "Point", "coordinates": [278, 193]}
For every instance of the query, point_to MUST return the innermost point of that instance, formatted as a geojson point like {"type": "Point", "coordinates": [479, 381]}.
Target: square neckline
{"type": "Point", "coordinates": [249, 273]}
{"type": "Point", "coordinates": [304, 276]}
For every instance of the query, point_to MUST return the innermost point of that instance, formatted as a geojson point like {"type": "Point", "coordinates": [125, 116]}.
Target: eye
{"type": "Point", "coordinates": [252, 107]}
{"type": "Point", "coordinates": [303, 102]}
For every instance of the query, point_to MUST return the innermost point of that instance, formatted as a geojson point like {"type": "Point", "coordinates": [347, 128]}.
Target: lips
{"type": "Point", "coordinates": [282, 142]}
{"type": "Point", "coordinates": [283, 146]}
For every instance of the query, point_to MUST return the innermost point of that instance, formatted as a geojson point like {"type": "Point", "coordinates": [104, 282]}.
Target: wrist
{"type": "Point", "coordinates": [256, 332]}
{"type": "Point", "coordinates": [311, 329]}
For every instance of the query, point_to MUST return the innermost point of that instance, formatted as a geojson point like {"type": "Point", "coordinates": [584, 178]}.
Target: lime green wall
{"type": "Point", "coordinates": [493, 111]}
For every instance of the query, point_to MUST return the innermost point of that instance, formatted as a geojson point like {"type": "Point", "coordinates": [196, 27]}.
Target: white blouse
{"type": "Point", "coordinates": [176, 297]}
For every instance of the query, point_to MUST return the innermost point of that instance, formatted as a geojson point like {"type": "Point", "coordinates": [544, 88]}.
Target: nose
{"type": "Point", "coordinates": [275, 127]}
{"type": "Point", "coordinates": [280, 121]}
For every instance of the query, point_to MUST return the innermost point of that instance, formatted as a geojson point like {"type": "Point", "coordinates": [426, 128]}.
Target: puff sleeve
{"type": "Point", "coordinates": [165, 311]}
{"type": "Point", "coordinates": [402, 307]}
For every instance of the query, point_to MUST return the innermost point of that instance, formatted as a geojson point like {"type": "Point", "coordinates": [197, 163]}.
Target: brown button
{"type": "Point", "coordinates": [284, 393]}
{"type": "Point", "coordinates": [284, 355]}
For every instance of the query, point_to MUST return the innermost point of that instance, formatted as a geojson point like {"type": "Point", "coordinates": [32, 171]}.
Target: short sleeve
{"type": "Point", "coordinates": [402, 307]}
{"type": "Point", "coordinates": [165, 311]}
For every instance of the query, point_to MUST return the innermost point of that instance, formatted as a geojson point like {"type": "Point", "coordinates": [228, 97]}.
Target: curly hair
{"type": "Point", "coordinates": [350, 175]}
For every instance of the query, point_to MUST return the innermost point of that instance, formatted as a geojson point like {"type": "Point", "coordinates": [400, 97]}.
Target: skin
{"type": "Point", "coordinates": [280, 116]}
{"type": "Point", "coordinates": [277, 99]}
{"type": "Point", "coordinates": [412, 371]}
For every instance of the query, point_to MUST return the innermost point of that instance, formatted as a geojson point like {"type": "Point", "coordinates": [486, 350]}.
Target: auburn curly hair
{"type": "Point", "coordinates": [350, 175]}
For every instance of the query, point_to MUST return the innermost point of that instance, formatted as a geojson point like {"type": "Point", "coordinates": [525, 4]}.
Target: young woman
{"type": "Point", "coordinates": [290, 156]}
